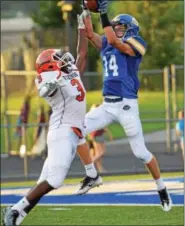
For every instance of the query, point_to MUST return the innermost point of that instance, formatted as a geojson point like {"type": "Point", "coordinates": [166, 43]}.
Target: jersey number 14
{"type": "Point", "coordinates": [110, 66]}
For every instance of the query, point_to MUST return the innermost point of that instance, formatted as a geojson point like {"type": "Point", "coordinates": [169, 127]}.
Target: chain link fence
{"type": "Point", "coordinates": [160, 98]}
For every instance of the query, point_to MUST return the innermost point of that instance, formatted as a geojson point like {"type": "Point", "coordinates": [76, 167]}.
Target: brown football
{"type": "Point", "coordinates": [92, 5]}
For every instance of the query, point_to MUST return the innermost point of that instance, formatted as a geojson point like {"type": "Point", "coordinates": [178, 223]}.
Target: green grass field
{"type": "Point", "coordinates": [152, 106]}
{"type": "Point", "coordinates": [103, 215]}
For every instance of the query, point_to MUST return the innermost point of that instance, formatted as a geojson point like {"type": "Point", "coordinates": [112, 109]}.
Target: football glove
{"type": "Point", "coordinates": [81, 24]}
{"type": "Point", "coordinates": [48, 88]}
{"type": "Point", "coordinates": [102, 6]}
{"type": "Point", "coordinates": [85, 12]}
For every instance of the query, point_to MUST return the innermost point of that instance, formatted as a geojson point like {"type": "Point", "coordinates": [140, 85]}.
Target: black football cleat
{"type": "Point", "coordinates": [9, 216]}
{"type": "Point", "coordinates": [89, 183]}
{"type": "Point", "coordinates": [166, 202]}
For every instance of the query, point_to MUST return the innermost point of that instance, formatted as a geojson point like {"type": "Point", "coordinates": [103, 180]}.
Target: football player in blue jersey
{"type": "Point", "coordinates": [122, 50]}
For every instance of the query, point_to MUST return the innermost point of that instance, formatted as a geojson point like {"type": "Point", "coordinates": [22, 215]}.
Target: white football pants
{"type": "Point", "coordinates": [126, 113]}
{"type": "Point", "coordinates": [62, 143]}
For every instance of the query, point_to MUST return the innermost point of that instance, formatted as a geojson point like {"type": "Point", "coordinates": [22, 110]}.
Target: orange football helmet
{"type": "Point", "coordinates": [54, 60]}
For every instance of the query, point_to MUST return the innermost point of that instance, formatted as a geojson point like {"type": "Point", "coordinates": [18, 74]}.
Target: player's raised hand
{"type": "Point", "coordinates": [86, 12]}
{"type": "Point", "coordinates": [84, 7]}
{"type": "Point", "coordinates": [102, 6]}
{"type": "Point", "coordinates": [86, 17]}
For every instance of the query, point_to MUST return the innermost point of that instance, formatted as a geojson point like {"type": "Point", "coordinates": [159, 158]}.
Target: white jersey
{"type": "Point", "coordinates": [69, 102]}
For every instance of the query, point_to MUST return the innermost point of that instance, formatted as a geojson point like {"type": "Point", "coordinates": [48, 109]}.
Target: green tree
{"type": "Point", "coordinates": [161, 26]}
{"type": "Point", "coordinates": [48, 15]}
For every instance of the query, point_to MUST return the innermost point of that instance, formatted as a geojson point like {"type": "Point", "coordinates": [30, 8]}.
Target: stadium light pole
{"type": "Point", "coordinates": [66, 8]}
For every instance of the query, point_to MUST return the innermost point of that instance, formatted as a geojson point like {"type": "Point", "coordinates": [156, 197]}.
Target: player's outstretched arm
{"type": "Point", "coordinates": [109, 32]}
{"type": "Point", "coordinates": [82, 46]}
{"type": "Point", "coordinates": [93, 37]}
{"type": "Point", "coordinates": [117, 43]}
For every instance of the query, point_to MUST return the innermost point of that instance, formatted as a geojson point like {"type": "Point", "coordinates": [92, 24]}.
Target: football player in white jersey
{"type": "Point", "coordinates": [59, 82]}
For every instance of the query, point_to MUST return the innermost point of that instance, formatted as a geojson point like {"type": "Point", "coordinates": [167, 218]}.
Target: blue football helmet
{"type": "Point", "coordinates": [131, 24]}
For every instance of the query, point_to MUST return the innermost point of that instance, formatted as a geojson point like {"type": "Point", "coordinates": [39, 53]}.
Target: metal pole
{"type": "Point", "coordinates": [174, 99]}
{"type": "Point", "coordinates": [167, 107]}
{"type": "Point", "coordinates": [67, 31]}
{"type": "Point", "coordinates": [25, 156]}
{"type": "Point", "coordinates": [66, 7]}
{"type": "Point", "coordinates": [5, 98]}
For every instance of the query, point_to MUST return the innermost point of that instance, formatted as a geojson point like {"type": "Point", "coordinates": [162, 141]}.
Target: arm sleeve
{"type": "Point", "coordinates": [137, 44]}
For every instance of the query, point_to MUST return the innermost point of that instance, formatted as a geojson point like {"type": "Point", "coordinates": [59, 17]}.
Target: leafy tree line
{"type": "Point", "coordinates": [161, 26]}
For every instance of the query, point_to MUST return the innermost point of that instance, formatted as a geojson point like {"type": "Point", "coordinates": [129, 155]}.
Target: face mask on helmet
{"type": "Point", "coordinates": [125, 25]}
{"type": "Point", "coordinates": [54, 60]}
{"type": "Point", "coordinates": [119, 29]}
{"type": "Point", "coordinates": [65, 60]}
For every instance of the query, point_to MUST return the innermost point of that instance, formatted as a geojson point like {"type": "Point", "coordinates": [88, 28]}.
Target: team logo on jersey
{"type": "Point", "coordinates": [126, 107]}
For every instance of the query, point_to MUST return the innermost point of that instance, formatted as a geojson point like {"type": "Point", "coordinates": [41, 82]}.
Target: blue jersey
{"type": "Point", "coordinates": [120, 69]}
{"type": "Point", "coordinates": [180, 127]}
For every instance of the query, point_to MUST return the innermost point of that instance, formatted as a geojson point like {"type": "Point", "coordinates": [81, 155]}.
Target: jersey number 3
{"type": "Point", "coordinates": [75, 82]}
{"type": "Point", "coordinates": [110, 65]}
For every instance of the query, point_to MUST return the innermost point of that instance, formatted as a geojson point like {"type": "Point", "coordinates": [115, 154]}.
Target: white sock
{"type": "Point", "coordinates": [90, 170]}
{"type": "Point", "coordinates": [21, 217]}
{"type": "Point", "coordinates": [21, 205]}
{"type": "Point", "coordinates": [160, 184]}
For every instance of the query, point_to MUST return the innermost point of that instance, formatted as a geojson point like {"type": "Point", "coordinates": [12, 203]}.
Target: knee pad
{"type": "Point", "coordinates": [56, 176]}
{"type": "Point", "coordinates": [141, 152]}
{"type": "Point", "coordinates": [144, 155]}
{"type": "Point", "coordinates": [41, 178]}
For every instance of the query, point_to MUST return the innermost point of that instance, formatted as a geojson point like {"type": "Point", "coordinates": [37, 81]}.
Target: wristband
{"type": "Point", "coordinates": [105, 20]}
